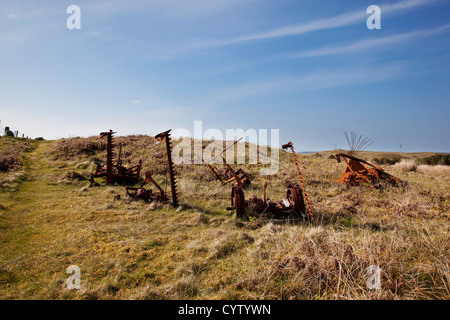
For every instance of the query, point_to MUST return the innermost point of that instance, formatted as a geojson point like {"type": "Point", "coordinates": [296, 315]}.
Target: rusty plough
{"type": "Point", "coordinates": [359, 171]}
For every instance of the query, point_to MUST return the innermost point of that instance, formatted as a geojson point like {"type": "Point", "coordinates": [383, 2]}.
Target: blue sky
{"type": "Point", "coordinates": [311, 69]}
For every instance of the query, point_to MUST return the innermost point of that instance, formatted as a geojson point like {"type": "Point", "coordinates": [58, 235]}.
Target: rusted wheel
{"type": "Point", "coordinates": [142, 194]}
{"type": "Point", "coordinates": [238, 200]}
{"type": "Point", "coordinates": [294, 195]}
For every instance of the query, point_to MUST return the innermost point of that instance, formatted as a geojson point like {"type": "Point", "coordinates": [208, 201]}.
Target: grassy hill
{"type": "Point", "coordinates": [136, 250]}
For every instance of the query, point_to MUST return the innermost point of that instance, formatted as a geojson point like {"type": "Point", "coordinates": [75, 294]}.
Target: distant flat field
{"type": "Point", "coordinates": [383, 154]}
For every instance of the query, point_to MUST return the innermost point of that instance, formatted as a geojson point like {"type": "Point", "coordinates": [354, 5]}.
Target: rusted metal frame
{"type": "Point", "coordinates": [370, 174]}
{"type": "Point", "coordinates": [348, 166]}
{"type": "Point", "coordinates": [238, 180]}
{"type": "Point", "coordinates": [296, 197]}
{"type": "Point", "coordinates": [265, 187]}
{"type": "Point", "coordinates": [173, 185]}
{"type": "Point", "coordinates": [121, 172]}
{"type": "Point", "coordinates": [363, 163]}
{"type": "Point", "coordinates": [235, 176]}
{"type": "Point", "coordinates": [262, 205]}
{"type": "Point", "coordinates": [215, 172]}
{"type": "Point", "coordinates": [357, 175]}
{"type": "Point", "coordinates": [242, 176]}
{"type": "Point", "coordinates": [343, 156]}
{"type": "Point", "coordinates": [109, 157]}
{"type": "Point", "coordinates": [224, 150]}
{"type": "Point", "coordinates": [135, 169]}
{"type": "Point", "coordinates": [119, 158]}
{"type": "Point", "coordinates": [149, 178]}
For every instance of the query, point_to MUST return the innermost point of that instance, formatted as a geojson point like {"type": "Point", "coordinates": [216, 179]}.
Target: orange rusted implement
{"type": "Point", "coordinates": [114, 172]}
{"type": "Point", "coordinates": [360, 171]}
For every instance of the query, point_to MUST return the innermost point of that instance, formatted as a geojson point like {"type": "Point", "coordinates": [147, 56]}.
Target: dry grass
{"type": "Point", "coordinates": [135, 250]}
{"type": "Point", "coordinates": [406, 165]}
{"type": "Point", "coordinates": [328, 263]}
{"type": "Point", "coordinates": [11, 151]}
{"type": "Point", "coordinates": [12, 162]}
{"type": "Point", "coordinates": [439, 170]}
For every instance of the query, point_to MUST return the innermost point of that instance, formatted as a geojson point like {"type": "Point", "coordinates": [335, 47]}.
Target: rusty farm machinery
{"type": "Point", "coordinates": [296, 205]}
{"type": "Point", "coordinates": [114, 172]}
{"type": "Point", "coordinates": [240, 176]}
{"type": "Point", "coordinates": [140, 193]}
{"type": "Point", "coordinates": [359, 171]}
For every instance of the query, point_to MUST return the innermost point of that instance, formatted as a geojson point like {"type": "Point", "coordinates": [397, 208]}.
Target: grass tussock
{"type": "Point", "coordinates": [407, 165]}
{"type": "Point", "coordinates": [415, 166]}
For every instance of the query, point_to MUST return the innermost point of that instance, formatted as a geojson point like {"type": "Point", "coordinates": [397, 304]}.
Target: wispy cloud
{"type": "Point", "coordinates": [342, 20]}
{"type": "Point", "coordinates": [354, 48]}
{"type": "Point", "coordinates": [317, 80]}
{"type": "Point", "coordinates": [165, 9]}
{"type": "Point", "coordinates": [371, 44]}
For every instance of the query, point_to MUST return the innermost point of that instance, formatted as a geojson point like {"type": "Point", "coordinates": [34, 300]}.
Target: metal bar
{"type": "Point", "coordinates": [224, 150]}
{"type": "Point", "coordinates": [239, 182]}
{"type": "Point", "coordinates": [265, 187]}
{"type": "Point", "coordinates": [173, 183]}
{"type": "Point", "coordinates": [120, 156]}
{"type": "Point", "coordinates": [109, 158]}
{"type": "Point", "coordinates": [215, 173]}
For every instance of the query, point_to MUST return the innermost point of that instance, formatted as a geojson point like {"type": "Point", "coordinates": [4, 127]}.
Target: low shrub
{"type": "Point", "coordinates": [71, 147]}
{"type": "Point", "coordinates": [385, 160]}
{"type": "Point", "coordinates": [9, 161]}
{"type": "Point", "coordinates": [437, 159]}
